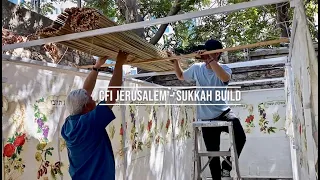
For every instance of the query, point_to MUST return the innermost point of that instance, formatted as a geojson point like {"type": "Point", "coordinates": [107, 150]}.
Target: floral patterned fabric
{"type": "Point", "coordinates": [302, 95]}
{"type": "Point", "coordinates": [157, 138]}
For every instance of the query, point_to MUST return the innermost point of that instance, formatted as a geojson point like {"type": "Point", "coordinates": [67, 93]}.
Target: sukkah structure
{"type": "Point", "coordinates": [84, 19]}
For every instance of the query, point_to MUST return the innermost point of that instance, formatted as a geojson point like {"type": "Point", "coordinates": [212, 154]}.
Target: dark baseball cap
{"type": "Point", "coordinates": [212, 44]}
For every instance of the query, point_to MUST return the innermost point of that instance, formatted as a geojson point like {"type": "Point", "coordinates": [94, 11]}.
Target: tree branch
{"type": "Point", "coordinates": [173, 11]}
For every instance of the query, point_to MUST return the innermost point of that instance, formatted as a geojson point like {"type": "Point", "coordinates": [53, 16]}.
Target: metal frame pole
{"type": "Point", "coordinates": [124, 144]}
{"type": "Point", "coordinates": [143, 24]}
{"type": "Point", "coordinates": [64, 69]}
{"type": "Point", "coordinates": [79, 3]}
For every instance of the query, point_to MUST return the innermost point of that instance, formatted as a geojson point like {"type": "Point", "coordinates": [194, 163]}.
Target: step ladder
{"type": "Point", "coordinates": [197, 169]}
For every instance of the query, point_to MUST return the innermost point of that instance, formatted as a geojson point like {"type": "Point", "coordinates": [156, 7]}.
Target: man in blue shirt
{"type": "Point", "coordinates": [211, 73]}
{"type": "Point", "coordinates": [89, 147]}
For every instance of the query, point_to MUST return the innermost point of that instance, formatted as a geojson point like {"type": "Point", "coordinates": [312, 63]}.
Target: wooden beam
{"type": "Point", "coordinates": [187, 56]}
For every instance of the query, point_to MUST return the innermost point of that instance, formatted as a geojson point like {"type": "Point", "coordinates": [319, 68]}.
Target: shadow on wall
{"type": "Point", "coordinates": [33, 92]}
{"type": "Point", "coordinates": [31, 117]}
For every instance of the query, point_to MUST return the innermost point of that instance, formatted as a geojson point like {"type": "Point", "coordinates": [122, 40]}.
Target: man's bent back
{"type": "Point", "coordinates": [89, 147]}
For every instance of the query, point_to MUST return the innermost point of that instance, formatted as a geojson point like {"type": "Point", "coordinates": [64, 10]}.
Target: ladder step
{"type": "Point", "coordinates": [214, 123]}
{"type": "Point", "coordinates": [214, 153]}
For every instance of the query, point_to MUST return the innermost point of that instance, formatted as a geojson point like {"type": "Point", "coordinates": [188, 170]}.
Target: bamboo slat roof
{"type": "Point", "coordinates": [75, 20]}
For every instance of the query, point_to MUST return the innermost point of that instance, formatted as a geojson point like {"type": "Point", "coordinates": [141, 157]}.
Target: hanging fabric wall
{"type": "Point", "coordinates": [158, 138]}
{"type": "Point", "coordinates": [303, 96]}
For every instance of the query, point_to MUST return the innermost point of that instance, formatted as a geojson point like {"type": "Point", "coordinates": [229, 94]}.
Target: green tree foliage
{"type": "Point", "coordinates": [242, 27]}
{"type": "Point", "coordinates": [45, 8]}
{"type": "Point", "coordinates": [237, 28]}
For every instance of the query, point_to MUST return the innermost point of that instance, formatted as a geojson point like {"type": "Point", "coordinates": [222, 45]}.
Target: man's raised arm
{"type": "Point", "coordinates": [90, 81]}
{"type": "Point", "coordinates": [177, 68]}
{"type": "Point", "coordinates": [116, 79]}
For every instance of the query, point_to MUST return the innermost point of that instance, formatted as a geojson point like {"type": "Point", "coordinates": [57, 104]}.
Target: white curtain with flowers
{"type": "Point", "coordinates": [302, 88]}
{"type": "Point", "coordinates": [157, 137]}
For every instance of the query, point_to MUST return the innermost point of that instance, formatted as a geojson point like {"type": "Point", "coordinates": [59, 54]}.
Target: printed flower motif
{"type": "Point", "coordinates": [112, 131]}
{"type": "Point", "coordinates": [300, 129]}
{"type": "Point", "coordinates": [158, 140]}
{"type": "Point", "coordinates": [168, 124]}
{"type": "Point", "coordinates": [13, 163]}
{"type": "Point", "coordinates": [149, 125]}
{"type": "Point", "coordinates": [9, 150]}
{"type": "Point", "coordinates": [39, 122]}
{"type": "Point", "coordinates": [63, 144]}
{"type": "Point", "coordinates": [184, 132]}
{"type": "Point", "coordinates": [45, 131]}
{"type": "Point", "coordinates": [263, 122]}
{"type": "Point", "coordinates": [41, 146]}
{"type": "Point", "coordinates": [161, 126]}
{"type": "Point", "coordinates": [132, 116]}
{"type": "Point", "coordinates": [249, 119]}
{"type": "Point", "coordinates": [40, 119]}
{"type": "Point", "coordinates": [38, 156]}
{"type": "Point", "coordinates": [20, 140]}
{"type": "Point", "coordinates": [136, 144]}
{"type": "Point", "coordinates": [141, 128]}
{"type": "Point", "coordinates": [182, 122]}
{"type": "Point", "coordinates": [121, 130]}
{"type": "Point", "coordinates": [275, 117]}
{"type": "Point", "coordinates": [45, 165]}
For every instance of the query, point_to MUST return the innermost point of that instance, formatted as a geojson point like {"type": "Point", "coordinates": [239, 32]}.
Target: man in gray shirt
{"type": "Point", "coordinates": [211, 73]}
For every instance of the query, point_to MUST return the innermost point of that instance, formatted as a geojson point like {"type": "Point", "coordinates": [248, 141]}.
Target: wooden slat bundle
{"type": "Point", "coordinates": [83, 19]}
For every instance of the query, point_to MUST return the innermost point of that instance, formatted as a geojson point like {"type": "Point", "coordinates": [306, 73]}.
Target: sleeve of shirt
{"type": "Point", "coordinates": [103, 115]}
{"type": "Point", "coordinates": [229, 71]}
{"type": "Point", "coordinates": [189, 74]}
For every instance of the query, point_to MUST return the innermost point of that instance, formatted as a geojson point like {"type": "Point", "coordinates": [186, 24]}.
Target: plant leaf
{"type": "Point", "coordinates": [59, 171]}
{"type": "Point", "coordinates": [52, 174]}
{"type": "Point", "coordinates": [39, 130]}
{"type": "Point", "coordinates": [49, 153]}
{"type": "Point", "coordinates": [10, 140]}
{"type": "Point", "coordinates": [14, 156]}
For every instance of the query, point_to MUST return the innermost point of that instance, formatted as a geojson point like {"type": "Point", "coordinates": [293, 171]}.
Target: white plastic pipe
{"type": "Point", "coordinates": [143, 24]}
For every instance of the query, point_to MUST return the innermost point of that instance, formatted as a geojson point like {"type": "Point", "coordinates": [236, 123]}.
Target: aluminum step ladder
{"type": "Point", "coordinates": [197, 169]}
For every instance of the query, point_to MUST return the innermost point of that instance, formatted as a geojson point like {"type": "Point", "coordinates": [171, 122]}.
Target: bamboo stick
{"type": "Point", "coordinates": [281, 40]}
{"type": "Point", "coordinates": [192, 55]}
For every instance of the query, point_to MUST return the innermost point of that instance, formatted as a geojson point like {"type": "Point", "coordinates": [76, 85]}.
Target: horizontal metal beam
{"type": "Point", "coordinates": [270, 61]}
{"type": "Point", "coordinates": [81, 72]}
{"type": "Point", "coordinates": [257, 81]}
{"type": "Point", "coordinates": [65, 69]}
{"type": "Point", "coordinates": [143, 24]}
{"type": "Point", "coordinates": [215, 153]}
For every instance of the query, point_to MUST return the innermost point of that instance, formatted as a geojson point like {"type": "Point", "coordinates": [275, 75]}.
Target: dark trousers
{"type": "Point", "coordinates": [211, 136]}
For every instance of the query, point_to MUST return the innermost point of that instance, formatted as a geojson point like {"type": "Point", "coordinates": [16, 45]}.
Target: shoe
{"type": "Point", "coordinates": [225, 175]}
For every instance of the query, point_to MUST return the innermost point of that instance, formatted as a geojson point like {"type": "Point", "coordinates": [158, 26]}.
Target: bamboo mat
{"type": "Point", "coordinates": [84, 19]}
{"type": "Point", "coordinates": [141, 53]}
